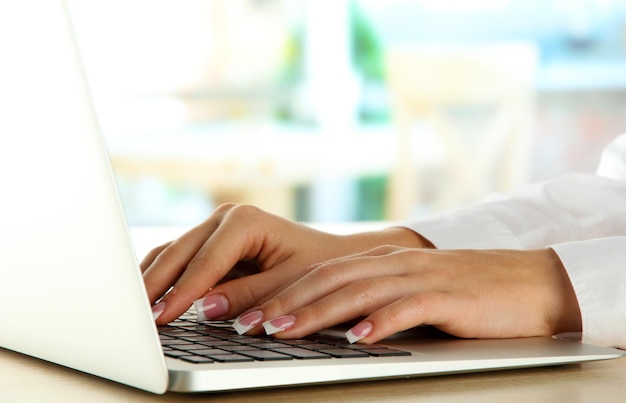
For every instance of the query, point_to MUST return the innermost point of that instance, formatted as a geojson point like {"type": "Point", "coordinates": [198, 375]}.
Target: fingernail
{"type": "Point", "coordinates": [279, 324]}
{"type": "Point", "coordinates": [211, 307]}
{"type": "Point", "coordinates": [157, 310]}
{"type": "Point", "coordinates": [359, 332]}
{"type": "Point", "coordinates": [247, 321]}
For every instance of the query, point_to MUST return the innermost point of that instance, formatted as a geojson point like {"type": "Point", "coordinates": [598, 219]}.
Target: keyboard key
{"type": "Point", "coordinates": [210, 352]}
{"type": "Point", "coordinates": [201, 338]}
{"type": "Point", "coordinates": [317, 346]}
{"type": "Point", "coordinates": [299, 342]}
{"type": "Point", "coordinates": [231, 358]}
{"type": "Point", "coordinates": [220, 343]}
{"type": "Point", "coordinates": [385, 352]}
{"type": "Point", "coordinates": [240, 347]}
{"type": "Point", "coordinates": [176, 353]}
{"type": "Point", "coordinates": [268, 345]}
{"type": "Point", "coordinates": [266, 355]}
{"type": "Point", "coordinates": [176, 342]}
{"type": "Point", "coordinates": [344, 353]}
{"type": "Point", "coordinates": [303, 353]}
{"type": "Point", "coordinates": [196, 359]}
{"type": "Point", "coordinates": [189, 347]}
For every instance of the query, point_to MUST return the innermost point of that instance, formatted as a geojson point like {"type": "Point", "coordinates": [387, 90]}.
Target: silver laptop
{"type": "Point", "coordinates": [72, 292]}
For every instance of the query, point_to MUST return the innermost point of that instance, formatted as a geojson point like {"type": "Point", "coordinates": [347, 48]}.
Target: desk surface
{"type": "Point", "coordinates": [25, 379]}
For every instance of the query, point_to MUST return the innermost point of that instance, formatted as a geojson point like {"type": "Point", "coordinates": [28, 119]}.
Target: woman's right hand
{"type": "Point", "coordinates": [240, 255]}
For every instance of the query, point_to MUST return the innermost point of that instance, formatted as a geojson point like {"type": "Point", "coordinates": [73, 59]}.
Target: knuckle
{"type": "Point", "coordinates": [316, 316]}
{"type": "Point", "coordinates": [224, 208]}
{"type": "Point", "coordinates": [412, 310]}
{"type": "Point", "coordinates": [417, 256]}
{"type": "Point", "coordinates": [311, 268]}
{"type": "Point", "coordinates": [279, 304]}
{"type": "Point", "coordinates": [199, 260]}
{"type": "Point", "coordinates": [243, 211]}
{"type": "Point", "coordinates": [364, 291]}
{"type": "Point", "coordinates": [328, 272]}
{"type": "Point", "coordinates": [419, 301]}
{"type": "Point", "coordinates": [421, 304]}
{"type": "Point", "coordinates": [386, 249]}
{"type": "Point", "coordinates": [168, 252]}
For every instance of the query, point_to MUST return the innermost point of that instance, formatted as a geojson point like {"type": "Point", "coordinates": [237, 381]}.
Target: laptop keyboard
{"type": "Point", "coordinates": [218, 342]}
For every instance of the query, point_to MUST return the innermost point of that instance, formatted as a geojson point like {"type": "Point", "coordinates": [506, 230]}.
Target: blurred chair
{"type": "Point", "coordinates": [463, 116]}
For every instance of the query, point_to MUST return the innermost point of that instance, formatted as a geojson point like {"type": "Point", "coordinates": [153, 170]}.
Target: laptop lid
{"type": "Point", "coordinates": [70, 279]}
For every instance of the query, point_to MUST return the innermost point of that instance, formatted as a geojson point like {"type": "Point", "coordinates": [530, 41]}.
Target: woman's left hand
{"type": "Point", "coordinates": [466, 293]}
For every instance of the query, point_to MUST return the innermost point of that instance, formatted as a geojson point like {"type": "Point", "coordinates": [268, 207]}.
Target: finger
{"type": "Point", "coordinates": [340, 291]}
{"type": "Point", "coordinates": [167, 266]}
{"type": "Point", "coordinates": [152, 255]}
{"type": "Point", "coordinates": [328, 277]}
{"type": "Point", "coordinates": [356, 300]}
{"type": "Point", "coordinates": [233, 297]}
{"type": "Point", "coordinates": [432, 308]}
{"type": "Point", "coordinates": [241, 235]}
{"type": "Point", "coordinates": [378, 251]}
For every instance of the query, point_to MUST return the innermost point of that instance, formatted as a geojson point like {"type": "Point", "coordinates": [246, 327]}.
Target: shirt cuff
{"type": "Point", "coordinates": [596, 271]}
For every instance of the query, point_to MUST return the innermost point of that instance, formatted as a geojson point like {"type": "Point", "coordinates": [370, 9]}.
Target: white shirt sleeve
{"type": "Point", "coordinates": [581, 216]}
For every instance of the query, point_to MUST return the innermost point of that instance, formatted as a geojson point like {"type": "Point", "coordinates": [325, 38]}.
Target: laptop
{"type": "Point", "coordinates": [72, 290]}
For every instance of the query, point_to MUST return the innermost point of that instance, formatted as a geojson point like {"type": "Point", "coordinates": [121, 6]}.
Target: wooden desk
{"type": "Point", "coordinates": [25, 379]}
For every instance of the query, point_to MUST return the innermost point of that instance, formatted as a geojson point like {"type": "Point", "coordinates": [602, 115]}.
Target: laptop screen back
{"type": "Point", "coordinates": [70, 279]}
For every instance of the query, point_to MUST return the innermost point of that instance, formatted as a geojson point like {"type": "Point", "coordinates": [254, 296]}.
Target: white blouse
{"type": "Point", "coordinates": [582, 217]}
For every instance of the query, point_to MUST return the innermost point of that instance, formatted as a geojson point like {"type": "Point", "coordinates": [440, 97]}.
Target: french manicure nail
{"type": "Point", "coordinates": [359, 332]}
{"type": "Point", "coordinates": [247, 321]}
{"type": "Point", "coordinates": [211, 307]}
{"type": "Point", "coordinates": [279, 324]}
{"type": "Point", "coordinates": [157, 310]}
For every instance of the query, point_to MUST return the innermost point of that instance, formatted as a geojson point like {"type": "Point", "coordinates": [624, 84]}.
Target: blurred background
{"type": "Point", "coordinates": [359, 110]}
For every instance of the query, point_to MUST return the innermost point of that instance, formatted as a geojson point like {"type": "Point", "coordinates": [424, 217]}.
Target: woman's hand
{"type": "Point", "coordinates": [241, 255]}
{"type": "Point", "coordinates": [467, 293]}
